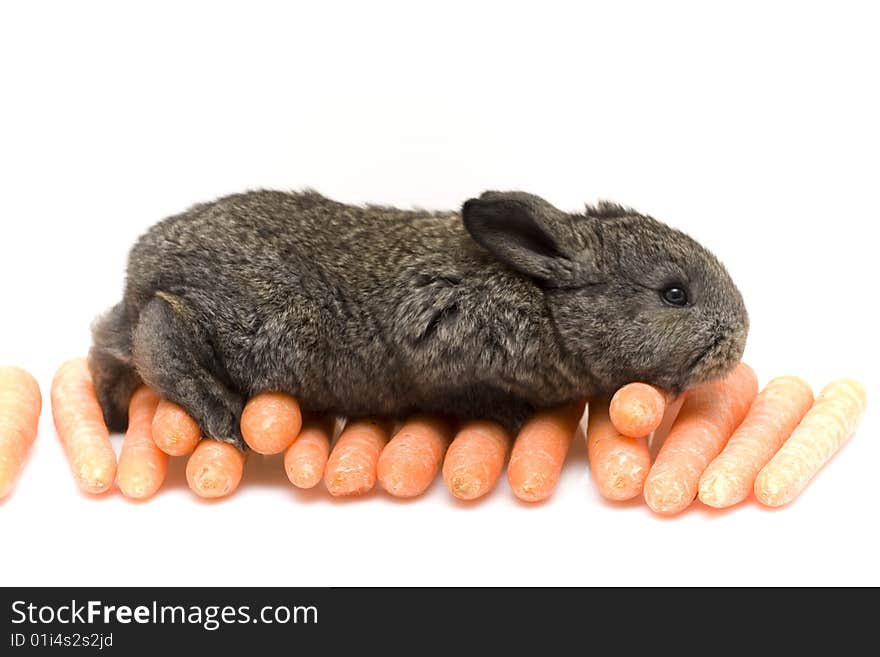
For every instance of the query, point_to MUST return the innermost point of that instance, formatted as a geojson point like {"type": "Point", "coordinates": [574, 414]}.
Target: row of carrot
{"type": "Point", "coordinates": [723, 419]}
{"type": "Point", "coordinates": [725, 442]}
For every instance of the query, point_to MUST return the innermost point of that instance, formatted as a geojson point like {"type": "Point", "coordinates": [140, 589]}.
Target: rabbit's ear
{"type": "Point", "coordinates": [529, 234]}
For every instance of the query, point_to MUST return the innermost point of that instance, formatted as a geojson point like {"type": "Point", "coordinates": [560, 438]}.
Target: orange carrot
{"type": "Point", "coordinates": [270, 422]}
{"type": "Point", "coordinates": [411, 460]}
{"type": "Point", "coordinates": [707, 418]}
{"type": "Point", "coordinates": [539, 451]}
{"type": "Point", "coordinates": [20, 404]}
{"type": "Point", "coordinates": [637, 409]}
{"type": "Point", "coordinates": [81, 429]}
{"type": "Point", "coordinates": [824, 429]}
{"type": "Point", "coordinates": [656, 439]}
{"type": "Point", "coordinates": [142, 465]}
{"type": "Point", "coordinates": [305, 460]}
{"type": "Point", "coordinates": [619, 463]}
{"type": "Point", "coordinates": [475, 459]}
{"type": "Point", "coordinates": [351, 469]}
{"type": "Point", "coordinates": [174, 431]}
{"type": "Point", "coordinates": [214, 469]}
{"type": "Point", "coordinates": [773, 416]}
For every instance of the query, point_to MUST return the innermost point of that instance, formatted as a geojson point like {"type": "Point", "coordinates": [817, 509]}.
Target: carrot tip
{"type": "Point", "coordinates": [209, 483]}
{"type": "Point", "coordinates": [770, 491]}
{"type": "Point", "coordinates": [348, 481]}
{"type": "Point", "coordinates": [399, 481]}
{"type": "Point", "coordinates": [718, 491]}
{"type": "Point", "coordinates": [95, 480]}
{"type": "Point", "coordinates": [347, 486]}
{"type": "Point", "coordinates": [621, 489]}
{"type": "Point", "coordinates": [465, 487]}
{"type": "Point", "coordinates": [93, 487]}
{"type": "Point", "coordinates": [137, 487]}
{"type": "Point", "coordinates": [532, 491]}
{"type": "Point", "coordinates": [175, 445]}
{"type": "Point", "coordinates": [7, 485]}
{"type": "Point", "coordinates": [667, 496]}
{"type": "Point", "coordinates": [399, 491]}
{"type": "Point", "coordinates": [303, 475]}
{"type": "Point", "coordinates": [397, 486]}
{"type": "Point", "coordinates": [622, 474]}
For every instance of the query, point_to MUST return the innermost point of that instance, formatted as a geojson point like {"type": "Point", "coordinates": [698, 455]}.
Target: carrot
{"type": "Point", "coordinates": [619, 463]}
{"type": "Point", "coordinates": [214, 468]}
{"type": "Point", "coordinates": [304, 461]}
{"type": "Point", "coordinates": [656, 439]}
{"type": "Point", "coordinates": [707, 418]}
{"type": "Point", "coordinates": [637, 409]}
{"type": "Point", "coordinates": [823, 430]}
{"type": "Point", "coordinates": [539, 451]}
{"type": "Point", "coordinates": [351, 469]}
{"type": "Point", "coordinates": [411, 460]}
{"type": "Point", "coordinates": [270, 422]}
{"type": "Point", "coordinates": [174, 431]}
{"type": "Point", "coordinates": [773, 416]}
{"type": "Point", "coordinates": [475, 459]}
{"type": "Point", "coordinates": [142, 465]}
{"type": "Point", "coordinates": [81, 429]}
{"type": "Point", "coordinates": [20, 405]}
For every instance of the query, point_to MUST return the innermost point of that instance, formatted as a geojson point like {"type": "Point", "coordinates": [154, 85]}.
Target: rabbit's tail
{"type": "Point", "coordinates": [110, 363]}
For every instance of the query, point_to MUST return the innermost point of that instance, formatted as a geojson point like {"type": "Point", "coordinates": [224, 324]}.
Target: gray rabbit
{"type": "Point", "coordinates": [508, 306]}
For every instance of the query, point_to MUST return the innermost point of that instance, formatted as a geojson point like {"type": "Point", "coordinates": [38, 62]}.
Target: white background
{"type": "Point", "coordinates": [754, 128]}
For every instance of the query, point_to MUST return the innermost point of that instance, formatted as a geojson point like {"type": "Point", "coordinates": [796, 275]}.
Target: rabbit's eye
{"type": "Point", "coordinates": [675, 296]}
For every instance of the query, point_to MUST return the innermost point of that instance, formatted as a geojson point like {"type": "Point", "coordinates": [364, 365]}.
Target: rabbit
{"type": "Point", "coordinates": [508, 306]}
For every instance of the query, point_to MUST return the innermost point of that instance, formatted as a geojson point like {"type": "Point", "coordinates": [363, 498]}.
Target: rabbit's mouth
{"type": "Point", "coordinates": [717, 359]}
{"type": "Point", "coordinates": [703, 355]}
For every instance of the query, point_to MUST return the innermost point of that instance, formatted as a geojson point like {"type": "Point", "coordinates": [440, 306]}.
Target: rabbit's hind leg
{"type": "Point", "coordinates": [173, 355]}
